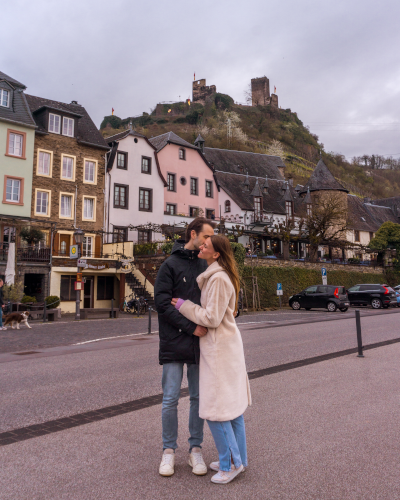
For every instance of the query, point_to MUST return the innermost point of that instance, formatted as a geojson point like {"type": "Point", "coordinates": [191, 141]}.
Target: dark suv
{"type": "Point", "coordinates": [321, 296]}
{"type": "Point", "coordinates": [374, 295]}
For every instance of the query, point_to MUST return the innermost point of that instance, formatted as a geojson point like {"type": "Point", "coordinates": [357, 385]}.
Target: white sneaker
{"type": "Point", "coordinates": [215, 466]}
{"type": "Point", "coordinates": [167, 463]}
{"type": "Point", "coordinates": [224, 477]}
{"type": "Point", "coordinates": [197, 463]}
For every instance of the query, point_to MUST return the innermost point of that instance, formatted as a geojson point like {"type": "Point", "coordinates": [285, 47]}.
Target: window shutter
{"type": "Point", "coordinates": [97, 247]}
{"type": "Point", "coordinates": [56, 243]}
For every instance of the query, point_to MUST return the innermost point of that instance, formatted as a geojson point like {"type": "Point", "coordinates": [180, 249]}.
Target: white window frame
{"type": "Point", "coordinates": [72, 196]}
{"type": "Point", "coordinates": [2, 91]}
{"type": "Point", "coordinates": [94, 173]}
{"type": "Point", "coordinates": [12, 190]}
{"type": "Point", "coordinates": [54, 131]}
{"type": "Point", "coordinates": [44, 151]}
{"type": "Point", "coordinates": [85, 246]}
{"type": "Point", "coordinates": [94, 208]}
{"type": "Point", "coordinates": [72, 179]}
{"type": "Point", "coordinates": [13, 153]}
{"type": "Point", "coordinates": [41, 214]}
{"type": "Point", "coordinates": [69, 121]}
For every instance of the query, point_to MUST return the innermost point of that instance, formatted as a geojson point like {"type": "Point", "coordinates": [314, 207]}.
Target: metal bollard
{"type": "Point", "coordinates": [150, 309]}
{"type": "Point", "coordinates": [44, 312]}
{"type": "Point", "coordinates": [112, 307]}
{"type": "Point", "coordinates": [359, 338]}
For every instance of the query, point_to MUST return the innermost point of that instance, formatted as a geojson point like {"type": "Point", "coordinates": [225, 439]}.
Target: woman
{"type": "Point", "coordinates": [224, 385]}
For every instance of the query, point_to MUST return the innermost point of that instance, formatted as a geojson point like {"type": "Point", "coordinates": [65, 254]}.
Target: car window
{"type": "Point", "coordinates": [311, 289]}
{"type": "Point", "coordinates": [390, 289]}
{"type": "Point", "coordinates": [355, 288]}
{"type": "Point", "coordinates": [342, 290]}
{"type": "Point", "coordinates": [323, 289]}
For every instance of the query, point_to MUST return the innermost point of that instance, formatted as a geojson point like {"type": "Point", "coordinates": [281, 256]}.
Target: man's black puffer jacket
{"type": "Point", "coordinates": [176, 278]}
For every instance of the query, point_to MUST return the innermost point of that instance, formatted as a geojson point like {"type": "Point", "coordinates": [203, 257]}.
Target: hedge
{"type": "Point", "coordinates": [296, 279]}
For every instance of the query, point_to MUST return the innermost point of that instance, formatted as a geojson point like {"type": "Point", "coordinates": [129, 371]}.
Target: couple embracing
{"type": "Point", "coordinates": [196, 294]}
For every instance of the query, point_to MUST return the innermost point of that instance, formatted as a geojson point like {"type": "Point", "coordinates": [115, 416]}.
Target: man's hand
{"type": "Point", "coordinates": [200, 331]}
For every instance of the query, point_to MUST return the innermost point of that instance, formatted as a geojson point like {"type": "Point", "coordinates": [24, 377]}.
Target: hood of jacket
{"type": "Point", "coordinates": [210, 271]}
{"type": "Point", "coordinates": [179, 250]}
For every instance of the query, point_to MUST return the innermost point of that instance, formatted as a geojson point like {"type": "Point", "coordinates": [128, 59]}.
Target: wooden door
{"type": "Point", "coordinates": [88, 292]}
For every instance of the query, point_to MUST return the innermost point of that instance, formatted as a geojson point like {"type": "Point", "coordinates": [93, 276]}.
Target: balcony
{"type": "Point", "coordinates": [26, 253]}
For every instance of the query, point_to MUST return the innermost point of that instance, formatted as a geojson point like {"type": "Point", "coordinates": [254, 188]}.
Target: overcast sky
{"type": "Point", "coordinates": [336, 63]}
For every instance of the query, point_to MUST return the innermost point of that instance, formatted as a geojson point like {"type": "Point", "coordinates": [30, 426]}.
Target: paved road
{"type": "Point", "coordinates": [66, 380]}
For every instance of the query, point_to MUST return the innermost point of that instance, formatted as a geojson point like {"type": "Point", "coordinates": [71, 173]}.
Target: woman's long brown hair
{"type": "Point", "coordinates": [227, 261]}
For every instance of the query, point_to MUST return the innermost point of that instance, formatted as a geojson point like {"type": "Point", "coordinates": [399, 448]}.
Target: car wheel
{"type": "Point", "coordinates": [331, 306]}
{"type": "Point", "coordinates": [307, 308]}
{"type": "Point", "coordinates": [344, 309]}
{"type": "Point", "coordinates": [376, 304]}
{"type": "Point", "coordinates": [295, 305]}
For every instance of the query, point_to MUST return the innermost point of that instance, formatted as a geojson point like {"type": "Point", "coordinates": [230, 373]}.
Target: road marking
{"type": "Point", "coordinates": [116, 337]}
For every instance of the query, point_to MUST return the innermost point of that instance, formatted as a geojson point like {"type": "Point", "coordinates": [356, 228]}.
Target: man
{"type": "Point", "coordinates": [179, 343]}
{"type": "Point", "coordinates": [1, 305]}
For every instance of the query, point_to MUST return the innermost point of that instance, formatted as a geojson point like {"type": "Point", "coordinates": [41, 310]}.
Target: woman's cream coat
{"type": "Point", "coordinates": [224, 385]}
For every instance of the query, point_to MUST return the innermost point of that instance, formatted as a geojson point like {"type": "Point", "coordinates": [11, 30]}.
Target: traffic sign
{"type": "Point", "coordinates": [279, 290]}
{"type": "Point", "coordinates": [324, 276]}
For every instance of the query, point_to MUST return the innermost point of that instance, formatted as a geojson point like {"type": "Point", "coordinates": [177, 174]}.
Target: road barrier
{"type": "Point", "coordinates": [359, 337]}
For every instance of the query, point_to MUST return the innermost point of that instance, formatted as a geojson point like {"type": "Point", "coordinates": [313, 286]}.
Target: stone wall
{"type": "Point", "coordinates": [260, 91]}
{"type": "Point", "coordinates": [201, 91]}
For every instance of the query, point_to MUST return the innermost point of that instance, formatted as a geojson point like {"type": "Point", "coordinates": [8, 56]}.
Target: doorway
{"type": "Point", "coordinates": [88, 292]}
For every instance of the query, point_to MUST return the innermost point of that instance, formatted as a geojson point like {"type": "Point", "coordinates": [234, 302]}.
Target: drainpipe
{"type": "Point", "coordinates": [108, 214]}
{"type": "Point", "coordinates": [51, 255]}
{"type": "Point", "coordinates": [104, 193]}
{"type": "Point", "coordinates": [76, 196]}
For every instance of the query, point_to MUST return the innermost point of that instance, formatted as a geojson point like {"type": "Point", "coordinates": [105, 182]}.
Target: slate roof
{"type": "Point", "coordinates": [122, 135]}
{"type": "Point", "coordinates": [161, 141]}
{"type": "Point", "coordinates": [322, 179]}
{"type": "Point", "coordinates": [14, 83]}
{"type": "Point", "coordinates": [367, 217]}
{"type": "Point", "coordinates": [87, 131]}
{"type": "Point", "coordinates": [381, 214]}
{"type": "Point", "coordinates": [256, 164]}
{"type": "Point", "coordinates": [18, 110]}
{"type": "Point", "coordinates": [392, 202]}
{"type": "Point", "coordinates": [273, 200]}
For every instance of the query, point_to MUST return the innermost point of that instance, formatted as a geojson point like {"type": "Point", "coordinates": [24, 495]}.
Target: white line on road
{"type": "Point", "coordinates": [111, 338]}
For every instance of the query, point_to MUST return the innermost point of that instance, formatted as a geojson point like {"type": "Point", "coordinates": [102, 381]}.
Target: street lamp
{"type": "Point", "coordinates": [78, 235]}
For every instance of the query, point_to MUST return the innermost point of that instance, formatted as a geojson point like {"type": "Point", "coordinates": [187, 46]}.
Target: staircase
{"type": "Point", "coordinates": [138, 289]}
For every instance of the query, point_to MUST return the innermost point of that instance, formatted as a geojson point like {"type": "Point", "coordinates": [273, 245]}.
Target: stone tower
{"type": "Point", "coordinates": [260, 91]}
{"type": "Point", "coordinates": [201, 91]}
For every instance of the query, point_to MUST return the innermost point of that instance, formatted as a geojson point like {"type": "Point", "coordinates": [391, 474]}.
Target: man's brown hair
{"type": "Point", "coordinates": [197, 225]}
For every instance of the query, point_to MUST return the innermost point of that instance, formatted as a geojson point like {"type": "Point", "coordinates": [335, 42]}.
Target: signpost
{"type": "Point", "coordinates": [73, 251]}
{"type": "Point", "coordinates": [82, 263]}
{"type": "Point", "coordinates": [324, 276]}
{"type": "Point", "coordinates": [279, 292]}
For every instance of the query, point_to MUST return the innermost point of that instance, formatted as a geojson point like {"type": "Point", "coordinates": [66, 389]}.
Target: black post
{"type": "Point", "coordinates": [359, 338]}
{"type": "Point", "coordinates": [44, 312]}
{"type": "Point", "coordinates": [112, 307]}
{"type": "Point", "coordinates": [149, 320]}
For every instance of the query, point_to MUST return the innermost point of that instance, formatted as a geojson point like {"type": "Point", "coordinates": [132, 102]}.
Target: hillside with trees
{"type": "Point", "coordinates": [264, 129]}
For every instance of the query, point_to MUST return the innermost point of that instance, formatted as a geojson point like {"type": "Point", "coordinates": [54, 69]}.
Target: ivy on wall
{"type": "Point", "coordinates": [296, 279]}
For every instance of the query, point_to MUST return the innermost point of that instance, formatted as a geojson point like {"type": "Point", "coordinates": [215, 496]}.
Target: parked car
{"type": "Point", "coordinates": [396, 288]}
{"type": "Point", "coordinates": [329, 297]}
{"type": "Point", "coordinates": [376, 296]}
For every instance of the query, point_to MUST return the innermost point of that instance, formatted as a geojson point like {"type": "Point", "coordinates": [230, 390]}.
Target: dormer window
{"type": "Point", "coordinates": [257, 206]}
{"type": "Point", "coordinates": [289, 210]}
{"type": "Point", "coordinates": [68, 126]}
{"type": "Point", "coordinates": [54, 123]}
{"type": "Point", "coordinates": [182, 154]}
{"type": "Point", "coordinates": [4, 98]}
{"type": "Point", "coordinates": [309, 210]}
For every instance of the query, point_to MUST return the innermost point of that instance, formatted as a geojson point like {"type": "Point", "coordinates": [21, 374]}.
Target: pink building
{"type": "Point", "coordinates": [191, 189]}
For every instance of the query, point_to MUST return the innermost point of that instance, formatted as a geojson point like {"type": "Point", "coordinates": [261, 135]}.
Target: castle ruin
{"type": "Point", "coordinates": [200, 91]}
{"type": "Point", "coordinates": [260, 94]}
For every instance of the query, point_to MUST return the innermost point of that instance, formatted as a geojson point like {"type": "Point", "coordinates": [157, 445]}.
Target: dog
{"type": "Point", "coordinates": [17, 318]}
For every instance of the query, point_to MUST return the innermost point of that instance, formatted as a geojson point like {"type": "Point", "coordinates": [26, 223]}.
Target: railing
{"type": "Point", "coordinates": [261, 218]}
{"type": "Point", "coordinates": [343, 262]}
{"type": "Point", "coordinates": [26, 254]}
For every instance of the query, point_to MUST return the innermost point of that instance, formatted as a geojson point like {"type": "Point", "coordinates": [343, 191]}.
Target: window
{"type": "Point", "coordinates": [67, 288]}
{"type": "Point", "coordinates": [171, 182]}
{"type": "Point", "coordinates": [13, 190]}
{"type": "Point", "coordinates": [66, 206]}
{"type": "Point", "coordinates": [44, 163]}
{"type": "Point", "coordinates": [183, 181]}
{"type": "Point", "coordinates": [122, 160]}
{"type": "Point", "coordinates": [15, 144]}
{"type": "Point", "coordinates": [42, 202]}
{"type": "Point", "coordinates": [257, 206]}
{"type": "Point", "coordinates": [54, 123]}
{"type": "Point", "coordinates": [289, 211]}
{"type": "Point", "coordinates": [146, 165]}
{"type": "Point", "coordinates": [309, 210]}
{"type": "Point", "coordinates": [144, 236]}
{"type": "Point", "coordinates": [4, 97]}
{"type": "Point", "coordinates": [182, 154]}
{"type": "Point", "coordinates": [227, 206]}
{"type": "Point", "coordinates": [120, 196]}
{"type": "Point", "coordinates": [68, 126]}
{"type": "Point", "coordinates": [87, 246]}
{"type": "Point", "coordinates": [120, 234]}
{"type": "Point", "coordinates": [171, 209]}
{"type": "Point", "coordinates": [209, 190]}
{"type": "Point", "coordinates": [356, 235]}
{"type": "Point", "coordinates": [210, 214]}
{"type": "Point", "coordinates": [90, 172]}
{"type": "Point", "coordinates": [88, 208]}
{"type": "Point", "coordinates": [63, 248]}
{"type": "Point", "coordinates": [371, 235]}
{"type": "Point", "coordinates": [68, 170]}
{"type": "Point", "coordinates": [193, 211]}
{"type": "Point", "coordinates": [145, 200]}
{"type": "Point", "coordinates": [105, 287]}
{"type": "Point", "coordinates": [311, 289]}
{"type": "Point", "coordinates": [194, 186]}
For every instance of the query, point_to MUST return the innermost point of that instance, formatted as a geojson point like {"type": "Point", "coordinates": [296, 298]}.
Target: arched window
{"type": "Point", "coordinates": [227, 206]}
{"type": "Point", "coordinates": [182, 154]}
{"type": "Point", "coordinates": [63, 248]}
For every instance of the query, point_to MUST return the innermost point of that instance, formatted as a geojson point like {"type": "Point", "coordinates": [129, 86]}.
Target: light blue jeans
{"type": "Point", "coordinates": [171, 385]}
{"type": "Point", "coordinates": [230, 440]}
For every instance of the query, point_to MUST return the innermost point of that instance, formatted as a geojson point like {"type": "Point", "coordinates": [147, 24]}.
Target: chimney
{"type": "Point", "coordinates": [367, 200]}
{"type": "Point", "coordinates": [75, 102]}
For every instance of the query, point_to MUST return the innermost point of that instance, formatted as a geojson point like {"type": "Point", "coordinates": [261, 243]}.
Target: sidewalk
{"type": "Point", "coordinates": [324, 431]}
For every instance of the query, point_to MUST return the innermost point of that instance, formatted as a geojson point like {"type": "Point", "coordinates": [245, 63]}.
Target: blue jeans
{"type": "Point", "coordinates": [230, 440]}
{"type": "Point", "coordinates": [171, 385]}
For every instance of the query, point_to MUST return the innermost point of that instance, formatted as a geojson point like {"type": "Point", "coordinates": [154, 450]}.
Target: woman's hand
{"type": "Point", "coordinates": [174, 301]}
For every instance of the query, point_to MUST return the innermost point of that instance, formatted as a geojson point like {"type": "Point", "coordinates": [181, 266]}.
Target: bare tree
{"type": "Point", "coordinates": [248, 95]}
{"type": "Point", "coordinates": [275, 148]}
{"type": "Point", "coordinates": [284, 231]}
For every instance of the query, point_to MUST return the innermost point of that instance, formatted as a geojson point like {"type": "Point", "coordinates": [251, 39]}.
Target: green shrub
{"type": "Point", "coordinates": [114, 121]}
{"type": "Point", "coordinates": [354, 260]}
{"type": "Point", "coordinates": [145, 248]}
{"type": "Point", "coordinates": [239, 252]}
{"type": "Point", "coordinates": [52, 301]}
{"type": "Point", "coordinates": [28, 298]}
